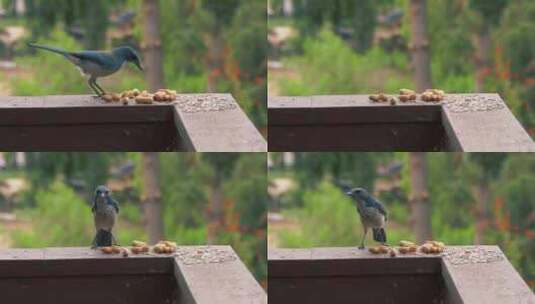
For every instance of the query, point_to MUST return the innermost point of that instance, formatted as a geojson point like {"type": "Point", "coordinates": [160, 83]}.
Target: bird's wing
{"type": "Point", "coordinates": [114, 203]}
{"type": "Point", "coordinates": [94, 206]}
{"type": "Point", "coordinates": [102, 59]}
{"type": "Point", "coordinates": [372, 202]}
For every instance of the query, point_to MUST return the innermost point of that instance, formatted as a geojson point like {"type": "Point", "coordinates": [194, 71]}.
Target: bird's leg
{"type": "Point", "coordinates": [90, 82]}
{"type": "Point", "coordinates": [96, 84]}
{"type": "Point", "coordinates": [363, 237]}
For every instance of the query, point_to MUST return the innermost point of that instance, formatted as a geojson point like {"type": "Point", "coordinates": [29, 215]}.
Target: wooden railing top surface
{"type": "Point", "coordinates": [495, 281]}
{"type": "Point", "coordinates": [493, 130]}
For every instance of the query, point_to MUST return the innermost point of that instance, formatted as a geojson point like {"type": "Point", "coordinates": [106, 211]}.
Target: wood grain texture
{"type": "Point", "coordinates": [219, 131]}
{"type": "Point", "coordinates": [223, 283]}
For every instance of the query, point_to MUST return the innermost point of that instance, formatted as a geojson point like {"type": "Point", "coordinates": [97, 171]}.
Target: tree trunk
{"type": "Point", "coordinates": [482, 210]}
{"type": "Point", "coordinates": [152, 45]}
{"type": "Point", "coordinates": [483, 45]}
{"type": "Point", "coordinates": [215, 59]}
{"type": "Point", "coordinates": [151, 198]}
{"type": "Point", "coordinates": [215, 211]}
{"type": "Point", "coordinates": [420, 45]}
{"type": "Point", "coordinates": [420, 208]}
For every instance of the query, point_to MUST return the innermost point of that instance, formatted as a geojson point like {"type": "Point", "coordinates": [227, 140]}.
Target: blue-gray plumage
{"type": "Point", "coordinates": [96, 64]}
{"type": "Point", "coordinates": [372, 214]}
{"type": "Point", "coordinates": [105, 210]}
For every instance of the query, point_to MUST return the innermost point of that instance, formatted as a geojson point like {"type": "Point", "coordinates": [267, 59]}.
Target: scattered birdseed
{"type": "Point", "coordinates": [204, 103]}
{"type": "Point", "coordinates": [473, 103]}
{"type": "Point", "coordinates": [203, 255]}
{"type": "Point", "coordinates": [472, 255]}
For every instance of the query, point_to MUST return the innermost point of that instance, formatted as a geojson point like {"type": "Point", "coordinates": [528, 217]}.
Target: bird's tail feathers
{"type": "Point", "coordinates": [49, 48]}
{"type": "Point", "coordinates": [379, 235]}
{"type": "Point", "coordinates": [103, 238]}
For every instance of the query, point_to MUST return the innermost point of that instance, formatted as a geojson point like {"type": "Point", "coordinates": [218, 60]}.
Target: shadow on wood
{"type": "Point", "coordinates": [84, 123]}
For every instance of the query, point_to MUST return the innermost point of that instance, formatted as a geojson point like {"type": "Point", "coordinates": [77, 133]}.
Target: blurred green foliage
{"type": "Point", "coordinates": [187, 29]}
{"type": "Point", "coordinates": [56, 205]}
{"type": "Point", "coordinates": [326, 62]}
{"type": "Point", "coordinates": [325, 216]}
{"type": "Point", "coordinates": [60, 217]}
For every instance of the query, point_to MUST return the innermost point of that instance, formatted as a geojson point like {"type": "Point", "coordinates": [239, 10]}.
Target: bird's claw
{"type": "Point", "coordinates": [361, 247]}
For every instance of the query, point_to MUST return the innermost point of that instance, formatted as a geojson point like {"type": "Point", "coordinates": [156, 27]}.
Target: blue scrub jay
{"type": "Point", "coordinates": [372, 214]}
{"type": "Point", "coordinates": [105, 210]}
{"type": "Point", "coordinates": [97, 64]}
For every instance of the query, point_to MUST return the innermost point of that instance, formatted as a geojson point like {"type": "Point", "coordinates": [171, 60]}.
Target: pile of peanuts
{"type": "Point", "coordinates": [432, 247]}
{"type": "Point", "coordinates": [141, 97]}
{"type": "Point", "coordinates": [433, 95]}
{"type": "Point", "coordinates": [405, 247]}
{"type": "Point", "coordinates": [407, 95]}
{"type": "Point", "coordinates": [139, 247]}
{"type": "Point", "coordinates": [164, 247]}
{"type": "Point", "coordinates": [381, 97]}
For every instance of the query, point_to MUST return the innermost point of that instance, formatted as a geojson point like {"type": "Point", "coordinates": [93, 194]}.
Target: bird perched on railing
{"type": "Point", "coordinates": [372, 214]}
{"type": "Point", "coordinates": [105, 210]}
{"type": "Point", "coordinates": [96, 64]}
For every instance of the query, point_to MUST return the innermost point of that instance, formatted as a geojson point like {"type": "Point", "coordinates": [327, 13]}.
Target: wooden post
{"type": "Point", "coordinates": [151, 198]}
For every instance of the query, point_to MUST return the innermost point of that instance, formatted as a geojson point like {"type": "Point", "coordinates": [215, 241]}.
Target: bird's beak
{"type": "Point", "coordinates": [102, 194]}
{"type": "Point", "coordinates": [349, 193]}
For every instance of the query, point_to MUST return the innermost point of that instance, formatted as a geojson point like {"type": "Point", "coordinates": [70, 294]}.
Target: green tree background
{"type": "Point", "coordinates": [340, 47]}
{"type": "Point", "coordinates": [187, 29]}
{"type": "Point", "coordinates": [316, 211]}
{"type": "Point", "coordinates": [54, 207]}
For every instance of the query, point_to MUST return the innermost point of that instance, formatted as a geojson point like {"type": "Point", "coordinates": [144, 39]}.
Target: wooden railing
{"type": "Point", "coordinates": [193, 275]}
{"type": "Point", "coordinates": [354, 123]}
{"type": "Point", "coordinates": [469, 275]}
{"type": "Point", "coordinates": [196, 122]}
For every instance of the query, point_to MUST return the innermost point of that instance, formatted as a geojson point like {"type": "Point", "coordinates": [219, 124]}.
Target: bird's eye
{"type": "Point", "coordinates": [106, 192]}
